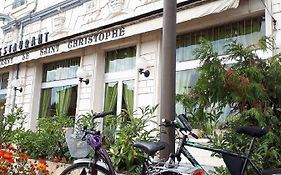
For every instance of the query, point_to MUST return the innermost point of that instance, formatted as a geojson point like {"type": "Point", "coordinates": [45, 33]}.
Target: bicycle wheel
{"type": "Point", "coordinates": [84, 168]}
{"type": "Point", "coordinates": [167, 173]}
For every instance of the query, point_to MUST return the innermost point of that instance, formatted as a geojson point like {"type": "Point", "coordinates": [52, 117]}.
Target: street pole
{"type": "Point", "coordinates": [168, 75]}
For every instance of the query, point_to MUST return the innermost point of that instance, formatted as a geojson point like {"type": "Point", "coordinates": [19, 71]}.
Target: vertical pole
{"type": "Point", "coordinates": [15, 92]}
{"type": "Point", "coordinates": [168, 74]}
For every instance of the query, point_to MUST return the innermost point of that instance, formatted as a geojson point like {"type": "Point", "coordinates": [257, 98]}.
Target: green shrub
{"type": "Point", "coordinates": [10, 124]}
{"type": "Point", "coordinates": [129, 129]}
{"type": "Point", "coordinates": [48, 141]}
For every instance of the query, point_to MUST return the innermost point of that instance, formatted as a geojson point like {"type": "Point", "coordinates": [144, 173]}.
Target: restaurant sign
{"type": "Point", "coordinates": [64, 46]}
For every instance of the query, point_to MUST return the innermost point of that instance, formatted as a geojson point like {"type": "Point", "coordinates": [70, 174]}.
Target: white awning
{"type": "Point", "coordinates": [207, 9]}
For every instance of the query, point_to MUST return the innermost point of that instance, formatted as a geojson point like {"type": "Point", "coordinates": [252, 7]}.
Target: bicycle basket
{"type": "Point", "coordinates": [76, 146]}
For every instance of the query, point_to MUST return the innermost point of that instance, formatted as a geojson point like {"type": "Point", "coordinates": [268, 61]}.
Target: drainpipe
{"type": "Point", "coordinates": [168, 75]}
{"type": "Point", "coordinates": [15, 92]}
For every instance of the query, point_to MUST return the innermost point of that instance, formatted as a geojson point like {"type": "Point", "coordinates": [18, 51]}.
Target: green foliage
{"type": "Point", "coordinates": [11, 123]}
{"type": "Point", "coordinates": [130, 129]}
{"type": "Point", "coordinates": [48, 140]}
{"type": "Point", "coordinates": [251, 86]}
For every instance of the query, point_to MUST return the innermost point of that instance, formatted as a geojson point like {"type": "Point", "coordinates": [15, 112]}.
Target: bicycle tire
{"type": "Point", "coordinates": [83, 168]}
{"type": "Point", "coordinates": [167, 173]}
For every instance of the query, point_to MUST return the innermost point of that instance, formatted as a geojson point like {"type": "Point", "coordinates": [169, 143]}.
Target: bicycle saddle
{"type": "Point", "coordinates": [149, 148]}
{"type": "Point", "coordinates": [253, 131]}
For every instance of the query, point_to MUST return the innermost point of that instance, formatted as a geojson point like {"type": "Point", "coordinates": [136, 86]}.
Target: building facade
{"type": "Point", "coordinates": [43, 46]}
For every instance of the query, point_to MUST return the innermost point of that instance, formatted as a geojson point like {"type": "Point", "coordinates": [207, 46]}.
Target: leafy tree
{"type": "Point", "coordinates": [250, 85]}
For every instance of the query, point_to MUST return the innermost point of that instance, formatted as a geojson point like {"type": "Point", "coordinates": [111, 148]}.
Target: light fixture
{"type": "Point", "coordinates": [16, 84]}
{"type": "Point", "coordinates": [82, 75]}
{"type": "Point", "coordinates": [142, 65]}
{"type": "Point", "coordinates": [146, 73]}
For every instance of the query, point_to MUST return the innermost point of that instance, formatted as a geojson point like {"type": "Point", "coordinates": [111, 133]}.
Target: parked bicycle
{"type": "Point", "coordinates": [100, 163]}
{"type": "Point", "coordinates": [236, 163]}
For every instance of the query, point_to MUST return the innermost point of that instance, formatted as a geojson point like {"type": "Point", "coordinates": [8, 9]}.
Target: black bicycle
{"type": "Point", "coordinates": [235, 162]}
{"type": "Point", "coordinates": [100, 163]}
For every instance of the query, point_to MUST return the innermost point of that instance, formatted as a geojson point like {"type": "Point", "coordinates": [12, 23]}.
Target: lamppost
{"type": "Point", "coordinates": [168, 75]}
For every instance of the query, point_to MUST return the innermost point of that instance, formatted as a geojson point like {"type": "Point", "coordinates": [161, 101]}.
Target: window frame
{"type": "Point", "coordinates": [119, 77]}
{"type": "Point", "coordinates": [59, 83]}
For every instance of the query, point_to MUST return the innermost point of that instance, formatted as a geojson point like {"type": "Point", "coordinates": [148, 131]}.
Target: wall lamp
{"type": "Point", "coordinates": [82, 75]}
{"type": "Point", "coordinates": [142, 65]}
{"type": "Point", "coordinates": [16, 84]}
{"type": "Point", "coordinates": [146, 73]}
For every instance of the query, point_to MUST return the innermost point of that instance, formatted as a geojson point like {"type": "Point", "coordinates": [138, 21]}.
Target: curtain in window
{"type": "Point", "coordinates": [60, 70]}
{"type": "Point", "coordinates": [185, 80]}
{"type": "Point", "coordinates": [128, 96]}
{"type": "Point", "coordinates": [64, 97]}
{"type": "Point", "coordinates": [110, 96]}
{"type": "Point", "coordinates": [45, 102]}
{"type": "Point", "coordinates": [120, 60]}
{"type": "Point", "coordinates": [246, 32]}
{"type": "Point", "coordinates": [2, 104]}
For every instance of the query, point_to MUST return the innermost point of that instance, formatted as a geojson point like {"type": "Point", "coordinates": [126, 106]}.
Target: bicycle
{"type": "Point", "coordinates": [235, 162]}
{"type": "Point", "coordinates": [100, 163]}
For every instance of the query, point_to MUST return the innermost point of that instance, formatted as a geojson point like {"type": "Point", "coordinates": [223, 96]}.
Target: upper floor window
{"type": "Point", "coordinates": [18, 3]}
{"type": "Point", "coordinates": [247, 32]}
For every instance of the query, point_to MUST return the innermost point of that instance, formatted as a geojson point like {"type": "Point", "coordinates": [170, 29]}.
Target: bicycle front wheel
{"type": "Point", "coordinates": [167, 173]}
{"type": "Point", "coordinates": [84, 168]}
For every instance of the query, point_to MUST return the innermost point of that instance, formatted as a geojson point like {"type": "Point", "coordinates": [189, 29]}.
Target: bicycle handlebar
{"type": "Point", "coordinates": [102, 114]}
{"type": "Point", "coordinates": [168, 123]}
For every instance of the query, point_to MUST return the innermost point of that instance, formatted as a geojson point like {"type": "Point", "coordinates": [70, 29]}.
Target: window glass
{"type": "Point", "coordinates": [4, 80]}
{"type": "Point", "coordinates": [110, 96]}
{"type": "Point", "coordinates": [3, 86]}
{"type": "Point", "coordinates": [59, 101]}
{"type": "Point", "coordinates": [185, 80]}
{"type": "Point", "coordinates": [247, 32]}
{"type": "Point", "coordinates": [2, 104]}
{"type": "Point", "coordinates": [128, 96]}
{"type": "Point", "coordinates": [60, 70]}
{"type": "Point", "coordinates": [57, 98]}
{"type": "Point", "coordinates": [120, 60]}
{"type": "Point", "coordinates": [119, 94]}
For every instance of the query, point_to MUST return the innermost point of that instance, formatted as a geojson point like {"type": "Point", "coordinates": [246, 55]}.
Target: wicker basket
{"type": "Point", "coordinates": [76, 146]}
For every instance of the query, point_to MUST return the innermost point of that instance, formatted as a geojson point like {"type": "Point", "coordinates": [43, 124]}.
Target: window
{"type": "Point", "coordinates": [3, 91]}
{"type": "Point", "coordinates": [59, 88]}
{"type": "Point", "coordinates": [247, 32]}
{"type": "Point", "coordinates": [185, 80]}
{"type": "Point", "coordinates": [18, 3]}
{"type": "Point", "coordinates": [119, 81]}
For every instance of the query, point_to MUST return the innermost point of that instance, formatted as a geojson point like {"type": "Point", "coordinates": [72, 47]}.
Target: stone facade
{"type": "Point", "coordinates": [89, 28]}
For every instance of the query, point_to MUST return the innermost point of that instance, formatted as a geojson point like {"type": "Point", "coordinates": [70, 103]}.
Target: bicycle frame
{"type": "Point", "coordinates": [185, 142]}
{"type": "Point", "coordinates": [102, 153]}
